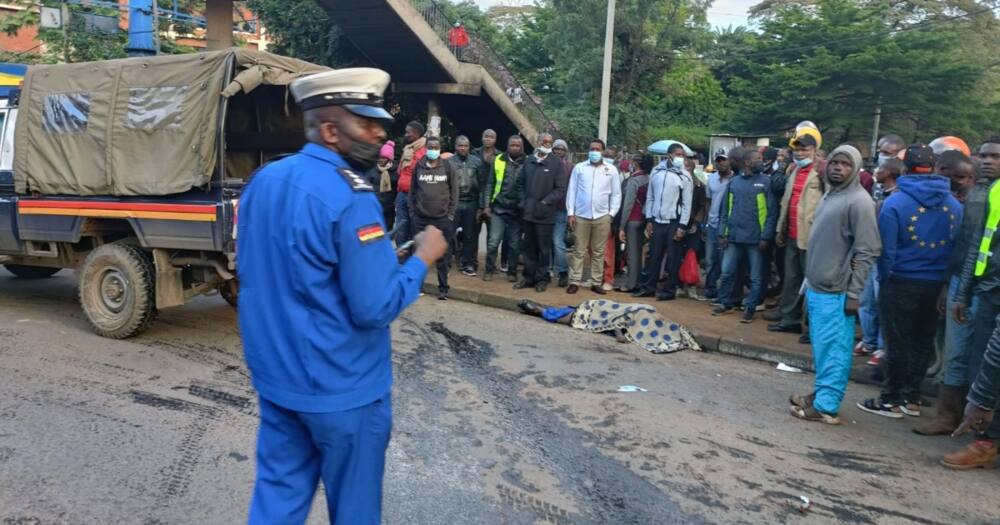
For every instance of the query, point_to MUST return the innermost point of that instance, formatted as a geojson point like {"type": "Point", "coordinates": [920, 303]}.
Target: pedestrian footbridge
{"type": "Point", "coordinates": [409, 40]}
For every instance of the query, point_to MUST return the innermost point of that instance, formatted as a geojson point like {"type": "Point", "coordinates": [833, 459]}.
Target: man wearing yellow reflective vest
{"type": "Point", "coordinates": [503, 209]}
{"type": "Point", "coordinates": [746, 228]}
{"type": "Point", "coordinates": [980, 277]}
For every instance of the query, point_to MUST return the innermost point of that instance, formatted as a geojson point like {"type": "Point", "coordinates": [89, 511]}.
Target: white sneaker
{"type": "Point", "coordinates": [607, 287]}
{"type": "Point", "coordinates": [692, 292]}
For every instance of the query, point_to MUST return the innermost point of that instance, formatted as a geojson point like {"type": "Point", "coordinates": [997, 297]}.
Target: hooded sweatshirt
{"type": "Point", "coordinates": [749, 211]}
{"type": "Point", "coordinates": [919, 224]}
{"type": "Point", "coordinates": [844, 240]}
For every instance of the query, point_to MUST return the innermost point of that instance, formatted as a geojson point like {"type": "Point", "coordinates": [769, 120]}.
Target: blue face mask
{"type": "Point", "coordinates": [803, 162]}
{"type": "Point", "coordinates": [678, 162]}
{"type": "Point", "coordinates": [882, 158]}
{"type": "Point", "coordinates": [595, 156]}
{"type": "Point", "coordinates": [433, 154]}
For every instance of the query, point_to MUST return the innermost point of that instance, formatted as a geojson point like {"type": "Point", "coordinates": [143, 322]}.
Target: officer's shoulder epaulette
{"type": "Point", "coordinates": [355, 181]}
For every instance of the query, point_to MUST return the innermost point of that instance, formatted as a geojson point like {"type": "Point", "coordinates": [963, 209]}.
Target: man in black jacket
{"type": "Point", "coordinates": [504, 208]}
{"type": "Point", "coordinates": [433, 200]}
{"type": "Point", "coordinates": [541, 184]}
{"type": "Point", "coordinates": [471, 174]}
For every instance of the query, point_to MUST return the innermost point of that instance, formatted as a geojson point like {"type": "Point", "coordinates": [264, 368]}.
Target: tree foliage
{"type": "Point", "coordinates": [301, 29]}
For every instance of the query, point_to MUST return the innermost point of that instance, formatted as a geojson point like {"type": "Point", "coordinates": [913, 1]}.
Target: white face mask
{"type": "Point", "coordinates": [542, 152]}
{"type": "Point", "coordinates": [678, 162]}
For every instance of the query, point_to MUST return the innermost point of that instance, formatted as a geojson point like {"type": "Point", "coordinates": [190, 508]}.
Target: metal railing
{"type": "Point", "coordinates": [480, 52]}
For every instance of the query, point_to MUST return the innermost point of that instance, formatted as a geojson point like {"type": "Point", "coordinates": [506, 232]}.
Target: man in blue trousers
{"type": "Point", "coordinates": [843, 246]}
{"type": "Point", "coordinates": [319, 285]}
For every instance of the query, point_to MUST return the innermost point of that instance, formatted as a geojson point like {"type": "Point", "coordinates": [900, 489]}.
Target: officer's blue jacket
{"type": "Point", "coordinates": [319, 284]}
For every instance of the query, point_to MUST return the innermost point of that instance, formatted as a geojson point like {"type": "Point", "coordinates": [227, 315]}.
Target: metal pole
{"type": "Point", "coordinates": [602, 131]}
{"type": "Point", "coordinates": [878, 119]}
{"type": "Point", "coordinates": [64, 14]}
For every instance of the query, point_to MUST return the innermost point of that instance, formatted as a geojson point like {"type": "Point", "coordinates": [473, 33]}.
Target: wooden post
{"type": "Point", "coordinates": [219, 22]}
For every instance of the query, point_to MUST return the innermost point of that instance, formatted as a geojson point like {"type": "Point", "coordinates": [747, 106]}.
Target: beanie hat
{"type": "Point", "coordinates": [919, 158]}
{"type": "Point", "coordinates": [388, 150]}
{"type": "Point", "coordinates": [560, 143]}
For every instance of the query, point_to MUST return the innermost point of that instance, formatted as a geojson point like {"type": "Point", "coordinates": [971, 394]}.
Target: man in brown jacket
{"type": "Point", "coordinates": [803, 193]}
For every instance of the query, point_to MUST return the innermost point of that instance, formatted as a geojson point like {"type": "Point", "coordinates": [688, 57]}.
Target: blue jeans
{"type": "Point", "coordinates": [714, 257]}
{"type": "Point", "coordinates": [401, 230]}
{"type": "Point", "coordinates": [345, 449]}
{"type": "Point", "coordinates": [506, 229]}
{"type": "Point", "coordinates": [831, 332]}
{"type": "Point", "coordinates": [731, 264]}
{"type": "Point", "coordinates": [868, 313]}
{"type": "Point", "coordinates": [958, 340]}
{"type": "Point", "coordinates": [559, 264]}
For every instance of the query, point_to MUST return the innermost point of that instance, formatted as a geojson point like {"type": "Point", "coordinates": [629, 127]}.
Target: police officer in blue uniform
{"type": "Point", "coordinates": [320, 284]}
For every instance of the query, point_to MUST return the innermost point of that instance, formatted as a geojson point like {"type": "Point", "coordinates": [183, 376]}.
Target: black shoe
{"type": "Point", "coordinates": [488, 276]}
{"type": "Point", "coordinates": [511, 278]}
{"type": "Point", "coordinates": [598, 289]}
{"type": "Point", "coordinates": [523, 284]}
{"type": "Point", "coordinates": [563, 280]}
{"type": "Point", "coordinates": [571, 289]}
{"type": "Point", "coordinates": [722, 310]}
{"type": "Point", "coordinates": [530, 307]}
{"type": "Point", "coordinates": [469, 271]}
{"type": "Point", "coordinates": [541, 286]}
{"type": "Point", "coordinates": [804, 339]}
{"type": "Point", "coordinates": [748, 315]}
{"type": "Point", "coordinates": [785, 328]}
{"type": "Point", "coordinates": [877, 407]}
{"type": "Point", "coordinates": [666, 297]}
{"type": "Point", "coordinates": [442, 296]}
{"type": "Point", "coordinates": [642, 292]}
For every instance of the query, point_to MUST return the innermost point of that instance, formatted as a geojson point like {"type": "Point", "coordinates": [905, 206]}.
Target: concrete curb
{"type": "Point", "coordinates": [709, 343]}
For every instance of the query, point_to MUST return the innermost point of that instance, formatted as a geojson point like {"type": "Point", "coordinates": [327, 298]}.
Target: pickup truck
{"type": "Point", "coordinates": [129, 172]}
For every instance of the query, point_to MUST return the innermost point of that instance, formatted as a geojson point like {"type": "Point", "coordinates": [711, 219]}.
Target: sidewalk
{"type": "Point", "coordinates": [723, 334]}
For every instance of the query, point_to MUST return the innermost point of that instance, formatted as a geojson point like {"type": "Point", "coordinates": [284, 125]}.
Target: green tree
{"type": "Point", "coordinates": [301, 29]}
{"type": "Point", "coordinates": [836, 61]}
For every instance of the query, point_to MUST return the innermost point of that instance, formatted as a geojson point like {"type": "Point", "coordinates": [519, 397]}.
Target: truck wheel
{"type": "Point", "coordinates": [31, 272]}
{"type": "Point", "coordinates": [230, 291]}
{"type": "Point", "coordinates": [117, 290]}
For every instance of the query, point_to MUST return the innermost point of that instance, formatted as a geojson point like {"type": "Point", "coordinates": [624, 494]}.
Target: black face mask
{"type": "Point", "coordinates": [363, 156]}
{"type": "Point", "coordinates": [757, 167]}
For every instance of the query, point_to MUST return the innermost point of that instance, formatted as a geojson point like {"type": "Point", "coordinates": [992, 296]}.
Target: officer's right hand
{"type": "Point", "coordinates": [431, 245]}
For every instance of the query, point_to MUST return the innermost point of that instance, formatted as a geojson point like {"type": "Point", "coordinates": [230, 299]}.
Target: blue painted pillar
{"type": "Point", "coordinates": [141, 27]}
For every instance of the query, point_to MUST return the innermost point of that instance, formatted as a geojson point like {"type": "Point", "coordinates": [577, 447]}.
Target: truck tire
{"type": "Point", "coordinates": [230, 291]}
{"type": "Point", "coordinates": [117, 290]}
{"type": "Point", "coordinates": [31, 272]}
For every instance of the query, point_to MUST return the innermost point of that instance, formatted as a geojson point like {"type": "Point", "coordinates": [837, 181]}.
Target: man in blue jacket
{"type": "Point", "coordinates": [919, 225]}
{"type": "Point", "coordinates": [746, 227]}
{"type": "Point", "coordinates": [319, 286]}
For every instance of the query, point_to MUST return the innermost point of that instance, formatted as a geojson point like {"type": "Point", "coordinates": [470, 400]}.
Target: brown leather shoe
{"type": "Point", "coordinates": [572, 288]}
{"type": "Point", "coordinates": [598, 290]}
{"type": "Point", "coordinates": [981, 453]}
{"type": "Point", "coordinates": [948, 416]}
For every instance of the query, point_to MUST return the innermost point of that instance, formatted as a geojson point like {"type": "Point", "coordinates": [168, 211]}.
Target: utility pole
{"type": "Point", "coordinates": [141, 28]}
{"type": "Point", "coordinates": [219, 22]}
{"type": "Point", "coordinates": [602, 131]}
{"type": "Point", "coordinates": [878, 119]}
{"type": "Point", "coordinates": [64, 14]}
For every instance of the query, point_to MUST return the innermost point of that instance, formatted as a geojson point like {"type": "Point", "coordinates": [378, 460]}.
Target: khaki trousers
{"type": "Point", "coordinates": [591, 235]}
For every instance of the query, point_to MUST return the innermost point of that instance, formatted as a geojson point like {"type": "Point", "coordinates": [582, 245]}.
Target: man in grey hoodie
{"type": "Point", "coordinates": [843, 246]}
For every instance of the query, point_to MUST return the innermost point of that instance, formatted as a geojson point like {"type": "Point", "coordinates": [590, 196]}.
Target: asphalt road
{"type": "Point", "coordinates": [499, 419]}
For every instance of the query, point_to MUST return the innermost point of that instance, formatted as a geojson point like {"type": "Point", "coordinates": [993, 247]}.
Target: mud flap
{"type": "Point", "coordinates": [169, 285]}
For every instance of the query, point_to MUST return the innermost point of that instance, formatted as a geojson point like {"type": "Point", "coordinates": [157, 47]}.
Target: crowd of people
{"type": "Point", "coordinates": [818, 241]}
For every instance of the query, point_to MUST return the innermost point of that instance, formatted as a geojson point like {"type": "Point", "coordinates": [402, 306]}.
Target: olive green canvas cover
{"type": "Point", "coordinates": [135, 126]}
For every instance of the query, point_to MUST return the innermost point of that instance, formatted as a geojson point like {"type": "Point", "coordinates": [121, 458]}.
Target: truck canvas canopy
{"type": "Point", "coordinates": [135, 126]}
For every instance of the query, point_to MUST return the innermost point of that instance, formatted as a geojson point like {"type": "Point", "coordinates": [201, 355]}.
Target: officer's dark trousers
{"type": "Point", "coordinates": [345, 449]}
{"type": "Point", "coordinates": [443, 224]}
{"type": "Point", "coordinates": [537, 251]}
{"type": "Point", "coordinates": [465, 218]}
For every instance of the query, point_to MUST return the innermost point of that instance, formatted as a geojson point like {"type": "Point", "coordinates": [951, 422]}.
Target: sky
{"type": "Point", "coordinates": [722, 13]}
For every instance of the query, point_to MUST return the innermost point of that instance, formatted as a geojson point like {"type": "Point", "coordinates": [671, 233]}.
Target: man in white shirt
{"type": "Point", "coordinates": [668, 217]}
{"type": "Point", "coordinates": [592, 200]}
